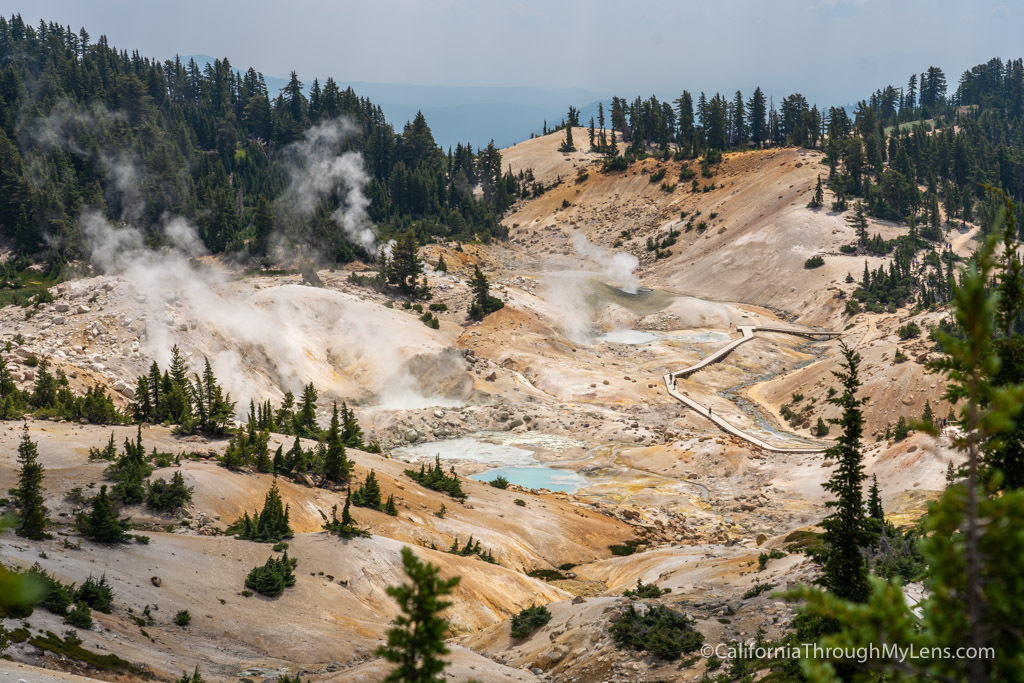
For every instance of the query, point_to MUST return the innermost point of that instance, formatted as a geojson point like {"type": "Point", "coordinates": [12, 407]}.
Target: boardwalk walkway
{"type": "Point", "coordinates": [748, 332]}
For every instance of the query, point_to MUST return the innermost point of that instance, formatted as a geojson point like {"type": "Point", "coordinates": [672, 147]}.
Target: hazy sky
{"type": "Point", "coordinates": [835, 51]}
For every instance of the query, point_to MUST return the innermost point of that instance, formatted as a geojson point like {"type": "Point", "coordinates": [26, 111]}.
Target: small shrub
{"type": "Point", "coordinates": [646, 590]}
{"type": "Point", "coordinates": [499, 482]}
{"type": "Point", "coordinates": [520, 502]}
{"type": "Point", "coordinates": [900, 357]}
{"type": "Point", "coordinates": [627, 548]}
{"type": "Point", "coordinates": [96, 594]}
{"type": "Point", "coordinates": [273, 577]}
{"type": "Point", "coordinates": [80, 616]}
{"type": "Point", "coordinates": [757, 589]}
{"type": "Point", "coordinates": [657, 176]}
{"type": "Point", "coordinates": [814, 262]}
{"type": "Point", "coordinates": [529, 620]}
{"type": "Point", "coordinates": [546, 575]}
{"type": "Point", "coordinates": [908, 331]}
{"type": "Point", "coordinates": [663, 632]}
{"type": "Point", "coordinates": [182, 618]}
{"type": "Point", "coordinates": [437, 479]}
{"type": "Point", "coordinates": [280, 547]}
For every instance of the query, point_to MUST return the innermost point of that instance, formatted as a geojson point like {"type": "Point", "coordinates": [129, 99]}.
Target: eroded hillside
{"type": "Point", "coordinates": [565, 381]}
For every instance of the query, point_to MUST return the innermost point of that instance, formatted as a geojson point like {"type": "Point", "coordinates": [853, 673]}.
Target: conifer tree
{"type": "Point", "coordinates": [406, 266]}
{"type": "Point", "coordinates": [859, 222]}
{"type": "Point", "coordinates": [102, 524]}
{"type": "Point", "coordinates": [567, 145]}
{"type": "Point", "coordinates": [130, 472]}
{"type": "Point", "coordinates": [846, 573]}
{"type": "Point", "coordinates": [336, 464]}
{"type": "Point", "coordinates": [416, 643]}
{"type": "Point", "coordinates": [441, 266]}
{"type": "Point", "coordinates": [483, 303]}
{"type": "Point", "coordinates": [28, 497]}
{"type": "Point", "coordinates": [270, 525]}
{"type": "Point", "coordinates": [347, 520]}
{"type": "Point", "coordinates": [875, 501]}
{"type": "Point", "coordinates": [819, 196]}
{"type": "Point", "coordinates": [390, 507]}
{"type": "Point", "coordinates": [351, 432]}
{"type": "Point", "coordinates": [368, 495]}
{"type": "Point", "coordinates": [928, 416]}
{"type": "Point", "coordinates": [305, 417]}
{"type": "Point", "coordinates": [263, 227]}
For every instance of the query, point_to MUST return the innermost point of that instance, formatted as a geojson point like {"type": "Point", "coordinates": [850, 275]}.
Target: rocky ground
{"type": "Point", "coordinates": [537, 373]}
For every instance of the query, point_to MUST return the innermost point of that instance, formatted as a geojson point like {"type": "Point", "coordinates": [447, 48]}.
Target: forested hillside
{"type": "Point", "coordinates": [83, 124]}
{"type": "Point", "coordinates": [904, 151]}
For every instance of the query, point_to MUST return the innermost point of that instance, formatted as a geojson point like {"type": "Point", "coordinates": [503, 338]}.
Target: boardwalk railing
{"type": "Point", "coordinates": [747, 332]}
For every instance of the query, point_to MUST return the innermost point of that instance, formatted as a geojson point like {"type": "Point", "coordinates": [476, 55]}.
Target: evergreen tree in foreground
{"type": "Point", "coordinates": [416, 643]}
{"type": "Point", "coordinates": [973, 536]}
{"type": "Point", "coordinates": [846, 573]}
{"type": "Point", "coordinates": [28, 497]}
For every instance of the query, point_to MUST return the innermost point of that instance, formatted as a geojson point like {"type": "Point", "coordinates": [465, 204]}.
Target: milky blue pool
{"type": "Point", "coordinates": [536, 478]}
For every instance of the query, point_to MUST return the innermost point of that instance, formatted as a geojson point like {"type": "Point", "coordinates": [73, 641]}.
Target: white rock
{"type": "Point", "coordinates": [58, 320]}
{"type": "Point", "coordinates": [82, 308]}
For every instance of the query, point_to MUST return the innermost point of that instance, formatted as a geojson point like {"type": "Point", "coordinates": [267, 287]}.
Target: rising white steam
{"type": "Point", "coordinates": [617, 266]}
{"type": "Point", "coordinates": [317, 170]}
{"type": "Point", "coordinates": [263, 341]}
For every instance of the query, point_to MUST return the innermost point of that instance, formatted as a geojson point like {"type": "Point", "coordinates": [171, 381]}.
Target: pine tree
{"type": "Point", "coordinates": [351, 432]}
{"type": "Point", "coordinates": [270, 525]}
{"type": "Point", "coordinates": [130, 472]}
{"type": "Point", "coordinates": [483, 303]}
{"type": "Point", "coordinates": [390, 507]}
{"type": "Point", "coordinates": [567, 145]}
{"type": "Point", "coordinates": [416, 643]}
{"type": "Point", "coordinates": [368, 495]}
{"type": "Point", "coordinates": [859, 222]}
{"type": "Point", "coordinates": [336, 464]}
{"type": "Point", "coordinates": [102, 524]}
{"type": "Point", "coordinates": [875, 501]}
{"type": "Point", "coordinates": [263, 227]}
{"type": "Point", "coordinates": [406, 266]}
{"type": "Point", "coordinates": [928, 416]}
{"type": "Point", "coordinates": [305, 418]}
{"type": "Point", "coordinates": [28, 497]}
{"type": "Point", "coordinates": [819, 196]}
{"type": "Point", "coordinates": [347, 520]}
{"type": "Point", "coordinates": [846, 573]}
{"type": "Point", "coordinates": [441, 266]}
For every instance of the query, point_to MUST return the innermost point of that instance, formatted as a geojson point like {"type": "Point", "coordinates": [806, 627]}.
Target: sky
{"type": "Point", "coordinates": [833, 51]}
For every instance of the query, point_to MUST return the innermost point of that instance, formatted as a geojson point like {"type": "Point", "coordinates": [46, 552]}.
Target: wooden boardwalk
{"type": "Point", "coordinates": [747, 332]}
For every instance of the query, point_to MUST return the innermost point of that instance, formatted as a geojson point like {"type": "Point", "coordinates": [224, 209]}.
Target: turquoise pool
{"type": "Point", "coordinates": [536, 478]}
